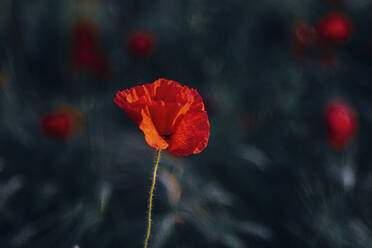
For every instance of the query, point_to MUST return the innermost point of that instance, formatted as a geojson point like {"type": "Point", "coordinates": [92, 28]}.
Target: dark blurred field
{"type": "Point", "coordinates": [288, 90]}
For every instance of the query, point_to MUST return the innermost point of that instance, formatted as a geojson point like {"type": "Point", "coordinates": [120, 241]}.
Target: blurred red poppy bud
{"type": "Point", "coordinates": [62, 123]}
{"type": "Point", "coordinates": [141, 44]}
{"type": "Point", "coordinates": [335, 28]}
{"type": "Point", "coordinates": [87, 54]}
{"type": "Point", "coordinates": [342, 123]}
{"type": "Point", "coordinates": [303, 34]}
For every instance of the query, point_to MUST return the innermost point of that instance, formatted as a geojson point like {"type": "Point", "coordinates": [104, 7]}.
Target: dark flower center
{"type": "Point", "coordinates": [166, 136]}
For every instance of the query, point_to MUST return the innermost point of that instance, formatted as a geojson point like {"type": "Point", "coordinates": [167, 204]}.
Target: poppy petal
{"type": "Point", "coordinates": [166, 116]}
{"type": "Point", "coordinates": [152, 136]}
{"type": "Point", "coordinates": [188, 95]}
{"type": "Point", "coordinates": [191, 135]}
{"type": "Point", "coordinates": [163, 89]}
{"type": "Point", "coordinates": [132, 102]}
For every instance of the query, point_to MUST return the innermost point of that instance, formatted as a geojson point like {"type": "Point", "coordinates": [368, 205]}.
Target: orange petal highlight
{"type": "Point", "coordinates": [152, 136]}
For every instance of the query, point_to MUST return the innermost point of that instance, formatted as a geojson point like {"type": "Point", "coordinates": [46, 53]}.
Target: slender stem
{"type": "Point", "coordinates": [150, 199]}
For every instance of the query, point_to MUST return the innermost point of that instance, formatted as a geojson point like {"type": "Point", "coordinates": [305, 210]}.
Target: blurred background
{"type": "Point", "coordinates": [287, 86]}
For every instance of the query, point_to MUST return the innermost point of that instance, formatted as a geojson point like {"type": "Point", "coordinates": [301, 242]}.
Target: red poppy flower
{"type": "Point", "coordinates": [303, 38]}
{"type": "Point", "coordinates": [170, 115]}
{"type": "Point", "coordinates": [62, 123]}
{"type": "Point", "coordinates": [56, 125]}
{"type": "Point", "coordinates": [141, 43]}
{"type": "Point", "coordinates": [303, 34]}
{"type": "Point", "coordinates": [87, 54]}
{"type": "Point", "coordinates": [342, 123]}
{"type": "Point", "coordinates": [335, 28]}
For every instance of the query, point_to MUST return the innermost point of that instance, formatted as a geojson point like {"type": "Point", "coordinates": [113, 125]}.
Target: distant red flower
{"type": "Point", "coordinates": [342, 123]}
{"type": "Point", "coordinates": [170, 115]}
{"type": "Point", "coordinates": [141, 43]}
{"type": "Point", "coordinates": [87, 54]}
{"type": "Point", "coordinates": [335, 28]}
{"type": "Point", "coordinates": [56, 125]}
{"type": "Point", "coordinates": [62, 123]}
{"type": "Point", "coordinates": [303, 38]}
{"type": "Point", "coordinates": [304, 34]}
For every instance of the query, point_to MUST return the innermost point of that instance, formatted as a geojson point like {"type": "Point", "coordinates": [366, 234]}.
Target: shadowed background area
{"type": "Point", "coordinates": [287, 87]}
